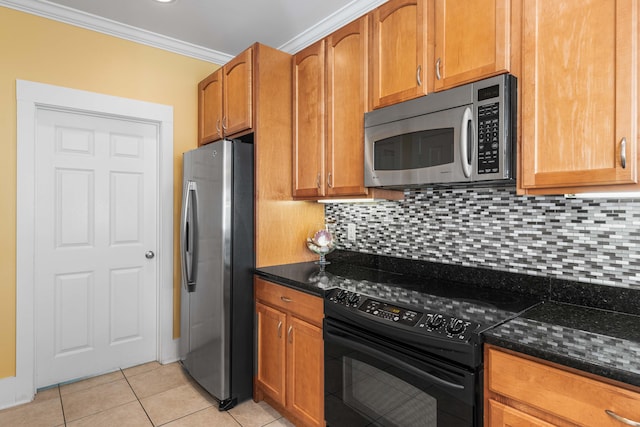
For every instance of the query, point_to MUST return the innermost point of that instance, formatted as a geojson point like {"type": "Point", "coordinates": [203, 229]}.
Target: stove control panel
{"type": "Point", "coordinates": [449, 326]}
{"type": "Point", "coordinates": [390, 312]}
{"type": "Point", "coordinates": [430, 323]}
{"type": "Point", "coordinates": [344, 297]}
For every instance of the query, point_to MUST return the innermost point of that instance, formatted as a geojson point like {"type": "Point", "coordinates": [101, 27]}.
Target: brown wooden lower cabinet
{"type": "Point", "coordinates": [503, 415]}
{"type": "Point", "coordinates": [521, 391]}
{"type": "Point", "coordinates": [290, 352]}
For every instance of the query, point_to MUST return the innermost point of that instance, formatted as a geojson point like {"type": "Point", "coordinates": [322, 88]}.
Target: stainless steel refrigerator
{"type": "Point", "coordinates": [217, 260]}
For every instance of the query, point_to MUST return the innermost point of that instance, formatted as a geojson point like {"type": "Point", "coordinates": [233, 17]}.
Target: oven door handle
{"type": "Point", "coordinates": [393, 361]}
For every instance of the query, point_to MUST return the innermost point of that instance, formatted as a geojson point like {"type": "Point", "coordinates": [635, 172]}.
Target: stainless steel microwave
{"type": "Point", "coordinates": [464, 135]}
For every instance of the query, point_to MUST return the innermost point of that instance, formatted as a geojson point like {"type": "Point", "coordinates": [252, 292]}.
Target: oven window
{"type": "Point", "coordinates": [362, 389]}
{"type": "Point", "coordinates": [414, 150]}
{"type": "Point", "coordinates": [367, 390]}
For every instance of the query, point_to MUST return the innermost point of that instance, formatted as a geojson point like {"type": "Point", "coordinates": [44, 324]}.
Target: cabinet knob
{"type": "Point", "coordinates": [418, 73]}
{"type": "Point", "coordinates": [438, 69]}
{"type": "Point", "coordinates": [623, 153]}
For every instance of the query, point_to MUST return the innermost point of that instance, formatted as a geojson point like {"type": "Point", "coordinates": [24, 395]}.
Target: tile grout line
{"type": "Point", "coordinates": [137, 398]}
{"type": "Point", "coordinates": [65, 423]}
{"type": "Point", "coordinates": [234, 419]}
{"type": "Point", "coordinates": [170, 421]}
{"type": "Point", "coordinates": [64, 417]}
{"type": "Point", "coordinates": [104, 410]}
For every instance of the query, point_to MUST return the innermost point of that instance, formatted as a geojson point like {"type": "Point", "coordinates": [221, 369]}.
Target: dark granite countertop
{"type": "Point", "coordinates": [592, 328]}
{"type": "Point", "coordinates": [308, 277]}
{"type": "Point", "coordinates": [601, 342]}
{"type": "Point", "coordinates": [303, 276]}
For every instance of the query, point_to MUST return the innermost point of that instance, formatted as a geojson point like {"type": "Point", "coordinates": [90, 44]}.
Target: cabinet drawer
{"type": "Point", "coordinates": [503, 415]}
{"type": "Point", "coordinates": [567, 395]}
{"type": "Point", "coordinates": [302, 305]}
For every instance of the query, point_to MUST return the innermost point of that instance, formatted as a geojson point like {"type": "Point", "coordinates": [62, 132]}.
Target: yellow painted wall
{"type": "Point", "coordinates": [46, 51]}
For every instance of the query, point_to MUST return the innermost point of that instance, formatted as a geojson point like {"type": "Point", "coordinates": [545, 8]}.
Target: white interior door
{"type": "Point", "coordinates": [96, 218]}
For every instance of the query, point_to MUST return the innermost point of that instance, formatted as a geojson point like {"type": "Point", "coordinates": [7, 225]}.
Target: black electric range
{"type": "Point", "coordinates": [442, 317]}
{"type": "Point", "coordinates": [403, 350]}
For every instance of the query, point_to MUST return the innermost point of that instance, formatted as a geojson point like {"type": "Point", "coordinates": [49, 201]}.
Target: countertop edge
{"type": "Point", "coordinates": [293, 284]}
{"type": "Point", "coordinates": [604, 372]}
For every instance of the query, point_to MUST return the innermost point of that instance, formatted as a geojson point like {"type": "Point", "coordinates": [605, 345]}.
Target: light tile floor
{"type": "Point", "coordinates": [145, 395]}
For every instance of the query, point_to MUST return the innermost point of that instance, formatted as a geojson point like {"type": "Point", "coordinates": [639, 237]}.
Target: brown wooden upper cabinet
{"type": "Point", "coordinates": [308, 122]}
{"type": "Point", "coordinates": [347, 101]}
{"type": "Point", "coordinates": [210, 108]}
{"type": "Point", "coordinates": [579, 90]}
{"type": "Point", "coordinates": [225, 100]}
{"type": "Point", "coordinates": [471, 40]}
{"type": "Point", "coordinates": [400, 57]}
{"type": "Point", "coordinates": [330, 98]}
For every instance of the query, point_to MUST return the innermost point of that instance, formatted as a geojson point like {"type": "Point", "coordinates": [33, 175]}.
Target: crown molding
{"type": "Point", "coordinates": [116, 29]}
{"type": "Point", "coordinates": [92, 22]}
{"type": "Point", "coordinates": [337, 20]}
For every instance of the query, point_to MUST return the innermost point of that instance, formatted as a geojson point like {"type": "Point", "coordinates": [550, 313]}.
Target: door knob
{"type": "Point", "coordinates": [149, 254]}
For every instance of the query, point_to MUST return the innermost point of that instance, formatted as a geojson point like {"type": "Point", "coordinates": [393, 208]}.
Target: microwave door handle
{"type": "Point", "coordinates": [466, 142]}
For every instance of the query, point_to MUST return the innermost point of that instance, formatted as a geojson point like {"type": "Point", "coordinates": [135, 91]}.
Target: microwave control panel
{"type": "Point", "coordinates": [488, 138]}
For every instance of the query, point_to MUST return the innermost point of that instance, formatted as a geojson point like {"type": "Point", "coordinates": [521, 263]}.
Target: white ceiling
{"type": "Point", "coordinates": [214, 30]}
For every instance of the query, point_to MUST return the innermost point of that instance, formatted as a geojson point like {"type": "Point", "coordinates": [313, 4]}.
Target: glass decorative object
{"type": "Point", "coordinates": [321, 241]}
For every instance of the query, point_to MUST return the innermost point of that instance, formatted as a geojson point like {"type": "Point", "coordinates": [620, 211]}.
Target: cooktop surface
{"type": "Point", "coordinates": [481, 305]}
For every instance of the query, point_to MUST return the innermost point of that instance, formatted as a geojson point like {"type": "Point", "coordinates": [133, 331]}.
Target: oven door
{"type": "Point", "coordinates": [370, 381]}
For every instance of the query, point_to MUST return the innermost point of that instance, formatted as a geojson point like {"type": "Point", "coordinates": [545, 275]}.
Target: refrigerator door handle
{"type": "Point", "coordinates": [188, 233]}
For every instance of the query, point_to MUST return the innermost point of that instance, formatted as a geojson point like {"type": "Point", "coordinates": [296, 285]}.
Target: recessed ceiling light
{"type": "Point", "coordinates": [165, 1]}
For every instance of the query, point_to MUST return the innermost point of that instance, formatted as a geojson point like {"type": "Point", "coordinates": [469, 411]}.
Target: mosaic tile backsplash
{"type": "Point", "coordinates": [585, 240]}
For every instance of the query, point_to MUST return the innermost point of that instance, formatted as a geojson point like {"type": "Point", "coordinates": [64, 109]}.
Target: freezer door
{"type": "Point", "coordinates": [206, 284]}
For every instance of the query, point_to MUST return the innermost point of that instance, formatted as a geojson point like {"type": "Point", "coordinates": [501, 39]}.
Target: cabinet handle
{"type": "Point", "coordinates": [280, 329]}
{"type": "Point", "coordinates": [329, 182]}
{"type": "Point", "coordinates": [623, 153]}
{"type": "Point", "coordinates": [623, 420]}
{"type": "Point", "coordinates": [289, 333]}
{"type": "Point", "coordinates": [418, 72]}
{"type": "Point", "coordinates": [218, 128]}
{"type": "Point", "coordinates": [318, 180]}
{"type": "Point", "coordinates": [225, 120]}
{"type": "Point", "coordinates": [438, 69]}
{"type": "Point", "coordinates": [286, 299]}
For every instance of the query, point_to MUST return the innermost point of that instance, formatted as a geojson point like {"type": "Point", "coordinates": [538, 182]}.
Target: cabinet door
{"type": "Point", "coordinates": [471, 40]}
{"type": "Point", "coordinates": [305, 385]}
{"type": "Point", "coordinates": [579, 94]}
{"type": "Point", "coordinates": [400, 66]}
{"type": "Point", "coordinates": [238, 96]}
{"type": "Point", "coordinates": [271, 324]}
{"type": "Point", "coordinates": [347, 59]}
{"type": "Point", "coordinates": [504, 416]}
{"type": "Point", "coordinates": [577, 399]}
{"type": "Point", "coordinates": [308, 122]}
{"type": "Point", "coordinates": [210, 108]}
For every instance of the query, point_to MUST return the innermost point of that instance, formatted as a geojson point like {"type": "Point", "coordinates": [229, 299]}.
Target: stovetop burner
{"type": "Point", "coordinates": [481, 305]}
{"type": "Point", "coordinates": [441, 316]}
